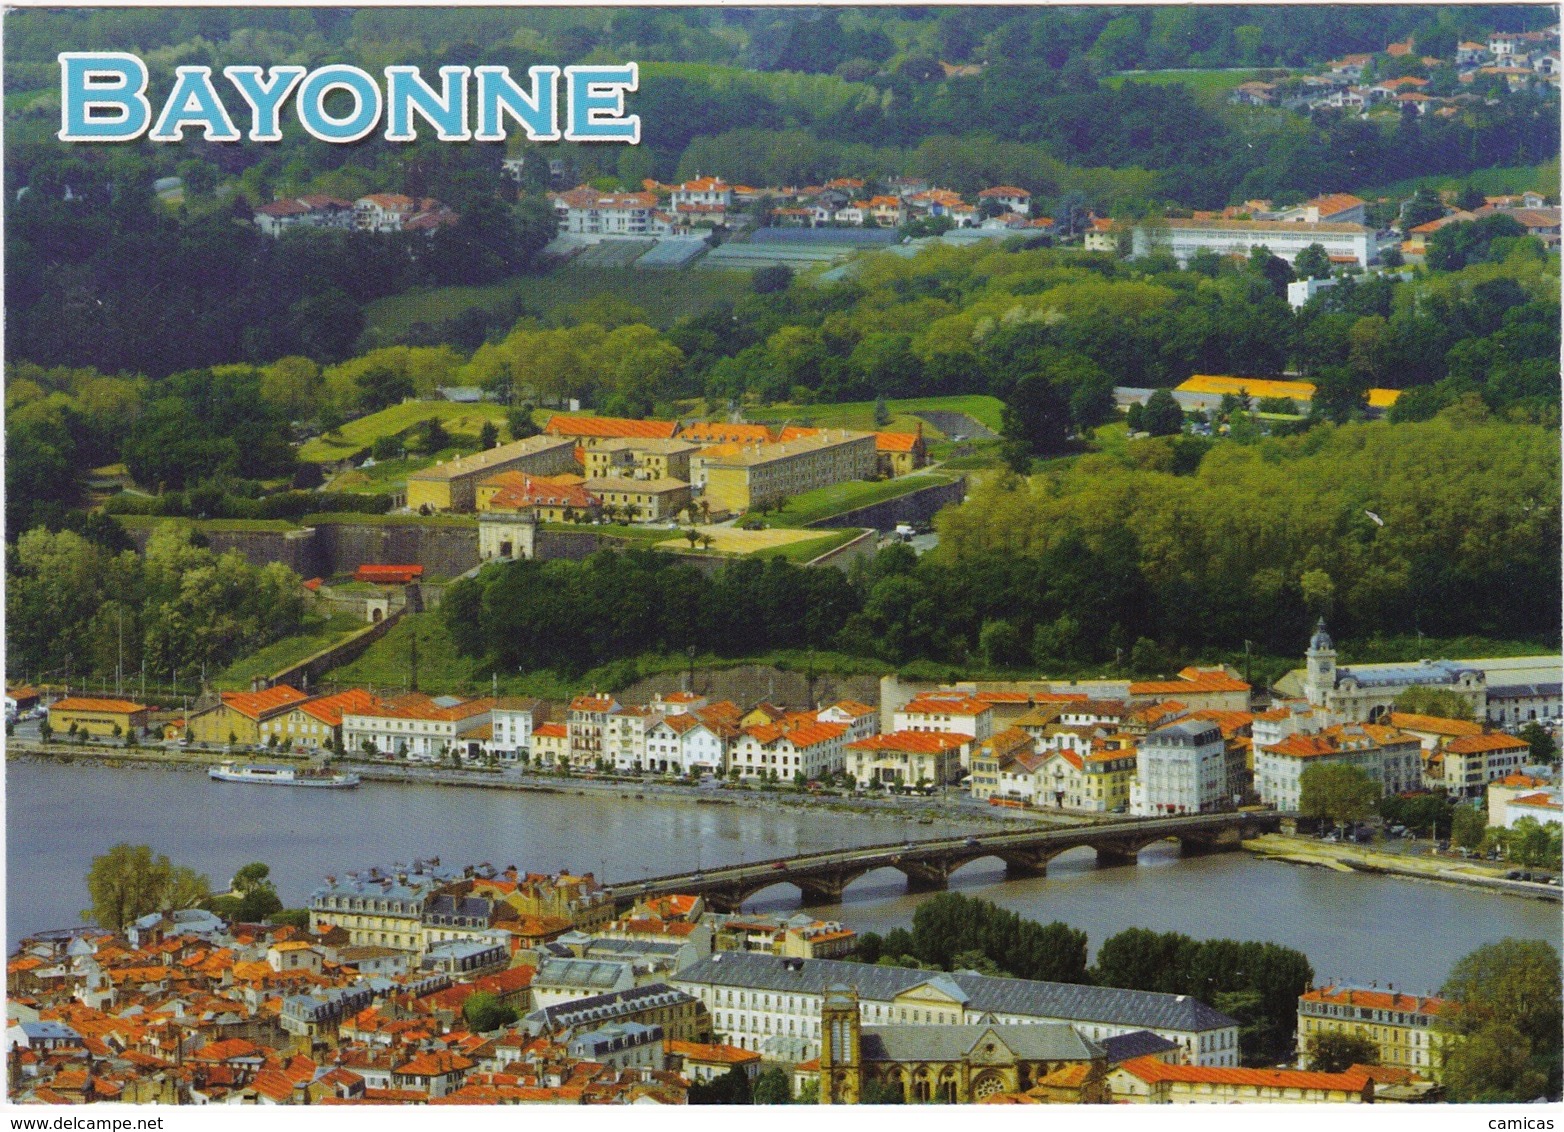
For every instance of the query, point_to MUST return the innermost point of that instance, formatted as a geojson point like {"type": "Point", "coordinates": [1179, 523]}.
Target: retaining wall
{"type": "Point", "coordinates": [914, 507]}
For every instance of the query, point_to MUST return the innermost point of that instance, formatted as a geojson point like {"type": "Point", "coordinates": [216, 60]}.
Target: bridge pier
{"type": "Point", "coordinates": [819, 890]}
{"type": "Point", "coordinates": [921, 877]}
{"type": "Point", "coordinates": [1112, 855]}
{"type": "Point", "coordinates": [1025, 864]}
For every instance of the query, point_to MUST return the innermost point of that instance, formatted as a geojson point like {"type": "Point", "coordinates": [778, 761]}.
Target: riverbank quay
{"type": "Point", "coordinates": [1347, 858]}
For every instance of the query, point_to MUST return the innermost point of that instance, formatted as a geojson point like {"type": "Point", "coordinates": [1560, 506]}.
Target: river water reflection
{"type": "Point", "coordinates": [1358, 928]}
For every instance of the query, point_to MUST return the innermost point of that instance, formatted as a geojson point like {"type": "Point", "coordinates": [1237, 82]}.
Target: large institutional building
{"type": "Point", "coordinates": [1283, 238]}
{"type": "Point", "coordinates": [773, 1004]}
{"type": "Point", "coordinates": [453, 485]}
{"type": "Point", "coordinates": [749, 476]}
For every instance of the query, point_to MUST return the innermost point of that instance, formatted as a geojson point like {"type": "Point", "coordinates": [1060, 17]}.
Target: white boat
{"type": "Point", "coordinates": [268, 774]}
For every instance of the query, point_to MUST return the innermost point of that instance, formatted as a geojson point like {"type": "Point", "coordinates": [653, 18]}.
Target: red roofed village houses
{"type": "Point", "coordinates": [908, 758]}
{"type": "Point", "coordinates": [239, 715]}
{"type": "Point", "coordinates": [315, 724]}
{"type": "Point", "coordinates": [585, 211]}
{"type": "Point", "coordinates": [783, 751]}
{"type": "Point", "coordinates": [415, 726]}
{"type": "Point", "coordinates": [955, 712]}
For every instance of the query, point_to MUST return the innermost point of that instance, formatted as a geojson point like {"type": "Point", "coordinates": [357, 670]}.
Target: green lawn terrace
{"type": "Point", "coordinates": [465, 418]}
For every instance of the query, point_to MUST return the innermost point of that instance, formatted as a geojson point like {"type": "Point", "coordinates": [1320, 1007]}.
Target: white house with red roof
{"type": "Point", "coordinates": [416, 727]}
{"type": "Point", "coordinates": [586, 721]}
{"type": "Point", "coordinates": [953, 712]}
{"type": "Point", "coordinates": [585, 211]}
{"type": "Point", "coordinates": [683, 743]}
{"type": "Point", "coordinates": [908, 758]}
{"type": "Point", "coordinates": [860, 719]}
{"type": "Point", "coordinates": [313, 211]}
{"type": "Point", "coordinates": [781, 751]}
{"type": "Point", "coordinates": [1008, 197]}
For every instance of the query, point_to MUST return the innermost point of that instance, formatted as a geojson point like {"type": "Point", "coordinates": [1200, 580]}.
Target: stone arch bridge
{"type": "Point", "coordinates": [928, 864]}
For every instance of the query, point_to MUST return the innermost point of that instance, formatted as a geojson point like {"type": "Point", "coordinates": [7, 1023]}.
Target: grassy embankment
{"type": "Point", "coordinates": [1543, 178]}
{"type": "Point", "coordinates": [824, 502]}
{"type": "Point", "coordinates": [466, 419]}
{"type": "Point", "coordinates": [319, 633]}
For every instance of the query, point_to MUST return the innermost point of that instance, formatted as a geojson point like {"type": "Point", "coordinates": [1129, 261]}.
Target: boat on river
{"type": "Point", "coordinates": [270, 774]}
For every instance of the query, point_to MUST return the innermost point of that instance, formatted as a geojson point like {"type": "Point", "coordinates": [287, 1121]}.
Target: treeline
{"type": "Point", "coordinates": [1257, 984]}
{"type": "Point", "coordinates": [86, 603]}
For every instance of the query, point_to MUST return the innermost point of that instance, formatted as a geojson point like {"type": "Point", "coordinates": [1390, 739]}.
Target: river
{"type": "Point", "coordinates": [1353, 927]}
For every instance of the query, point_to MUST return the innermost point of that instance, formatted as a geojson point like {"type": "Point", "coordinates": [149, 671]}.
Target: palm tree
{"type": "Point", "coordinates": [693, 535]}
{"type": "Point", "coordinates": [706, 541]}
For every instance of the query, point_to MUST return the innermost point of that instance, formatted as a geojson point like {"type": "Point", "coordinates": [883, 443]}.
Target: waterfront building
{"type": "Point", "coordinates": [785, 750]}
{"type": "Point", "coordinates": [511, 720]}
{"type": "Point", "coordinates": [586, 722]}
{"type": "Point", "coordinates": [417, 727]}
{"type": "Point", "coordinates": [379, 907]}
{"type": "Point", "coordinates": [764, 1003]}
{"type": "Point", "coordinates": [1401, 1026]}
{"type": "Point", "coordinates": [1393, 759]}
{"type": "Point", "coordinates": [98, 716]}
{"type": "Point", "coordinates": [860, 719]}
{"type": "Point", "coordinates": [951, 712]}
{"type": "Point", "coordinates": [315, 724]}
{"type": "Point", "coordinates": [624, 738]}
{"type": "Point", "coordinates": [550, 745]}
{"type": "Point", "coordinates": [1180, 769]}
{"type": "Point", "coordinates": [908, 758]}
{"type": "Point", "coordinates": [684, 744]}
{"type": "Point", "coordinates": [453, 485]}
{"type": "Point", "coordinates": [238, 717]}
{"type": "Point", "coordinates": [1004, 765]}
{"type": "Point", "coordinates": [1471, 762]}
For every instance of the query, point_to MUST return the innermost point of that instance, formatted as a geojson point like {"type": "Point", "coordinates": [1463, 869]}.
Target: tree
{"type": "Point", "coordinates": [1502, 1024]}
{"type": "Point", "coordinates": [1036, 418]}
{"type": "Point", "coordinates": [45, 731]}
{"type": "Point", "coordinates": [1312, 263]}
{"type": "Point", "coordinates": [488, 435]}
{"type": "Point", "coordinates": [1337, 793]}
{"type": "Point", "coordinates": [1422, 208]}
{"type": "Point", "coordinates": [1467, 826]}
{"type": "Point", "coordinates": [519, 422]}
{"type": "Point", "coordinates": [1162, 415]}
{"type": "Point", "coordinates": [483, 1012]}
{"type": "Point", "coordinates": [127, 882]}
{"type": "Point", "coordinates": [881, 1092]}
{"type": "Point", "coordinates": [1440, 702]}
{"type": "Point", "coordinates": [772, 1087]}
{"type": "Point", "coordinates": [258, 897]}
{"type": "Point", "coordinates": [1333, 1051]}
{"type": "Point", "coordinates": [1543, 748]}
{"type": "Point", "coordinates": [882, 413]}
{"type": "Point", "coordinates": [731, 1088]}
{"type": "Point", "coordinates": [769, 280]}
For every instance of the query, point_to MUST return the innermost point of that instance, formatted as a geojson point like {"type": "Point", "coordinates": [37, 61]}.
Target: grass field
{"type": "Point", "coordinates": [319, 633]}
{"type": "Point", "coordinates": [1212, 83]}
{"type": "Point", "coordinates": [824, 502]}
{"type": "Point", "coordinates": [663, 296]}
{"type": "Point", "coordinates": [457, 418]}
{"type": "Point", "coordinates": [1543, 178]}
{"type": "Point", "coordinates": [144, 522]}
{"type": "Point", "coordinates": [732, 540]}
{"type": "Point", "coordinates": [860, 414]}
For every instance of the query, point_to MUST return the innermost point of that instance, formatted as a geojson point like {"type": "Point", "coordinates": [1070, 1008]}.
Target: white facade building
{"type": "Point", "coordinates": [1284, 239]}
{"type": "Point", "coordinates": [1180, 769]}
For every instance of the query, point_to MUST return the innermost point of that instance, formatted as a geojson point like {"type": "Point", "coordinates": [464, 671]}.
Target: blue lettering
{"type": "Point", "coordinates": [265, 97]}
{"type": "Point", "coordinates": [92, 82]}
{"type": "Point", "coordinates": [311, 104]}
{"type": "Point", "coordinates": [498, 94]}
{"type": "Point", "coordinates": [597, 104]}
{"type": "Point", "coordinates": [194, 103]}
{"type": "Point", "coordinates": [406, 91]}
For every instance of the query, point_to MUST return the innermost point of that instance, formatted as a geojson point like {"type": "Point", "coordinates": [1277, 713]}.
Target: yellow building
{"type": "Point", "coordinates": [453, 485]}
{"type": "Point", "coordinates": [898, 453]}
{"type": "Point", "coordinates": [648, 500]}
{"type": "Point", "coordinates": [910, 758]}
{"type": "Point", "coordinates": [501, 482]}
{"type": "Point", "coordinates": [1400, 1025]}
{"type": "Point", "coordinates": [316, 724]}
{"type": "Point", "coordinates": [101, 717]}
{"type": "Point", "coordinates": [554, 499]}
{"type": "Point", "coordinates": [1298, 392]}
{"type": "Point", "coordinates": [637, 458]}
{"type": "Point", "coordinates": [759, 474]}
{"type": "Point", "coordinates": [237, 717]}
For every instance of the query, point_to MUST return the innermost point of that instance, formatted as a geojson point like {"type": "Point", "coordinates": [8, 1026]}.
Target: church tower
{"type": "Point", "coordinates": [1320, 679]}
{"type": "Point", "coordinates": [841, 1071]}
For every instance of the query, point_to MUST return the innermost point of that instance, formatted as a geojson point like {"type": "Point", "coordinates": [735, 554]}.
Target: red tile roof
{"type": "Point", "coordinates": [934, 703]}
{"type": "Point", "coordinates": [1374, 999]}
{"type": "Point", "coordinates": [88, 703]}
{"type": "Point", "coordinates": [330, 709]}
{"type": "Point", "coordinates": [1485, 744]}
{"type": "Point", "coordinates": [1152, 1071]}
{"type": "Point", "coordinates": [561, 425]}
{"type": "Point", "coordinates": [912, 742]}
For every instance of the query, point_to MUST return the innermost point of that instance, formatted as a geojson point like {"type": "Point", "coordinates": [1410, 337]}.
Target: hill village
{"type": "Point", "coordinates": [619, 999]}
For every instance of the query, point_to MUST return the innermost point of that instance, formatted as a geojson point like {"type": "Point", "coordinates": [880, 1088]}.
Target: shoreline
{"type": "Point", "coordinates": [1313, 853]}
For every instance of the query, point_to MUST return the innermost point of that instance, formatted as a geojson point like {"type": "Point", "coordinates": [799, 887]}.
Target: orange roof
{"type": "Point", "coordinates": [592, 703]}
{"type": "Point", "coordinates": [1543, 801]}
{"type": "Point", "coordinates": [330, 709]}
{"type": "Point", "coordinates": [710, 1052]}
{"type": "Point", "coordinates": [854, 708]}
{"type": "Point", "coordinates": [1004, 191]}
{"type": "Point", "coordinates": [912, 742]}
{"type": "Point", "coordinates": [416, 705]}
{"type": "Point", "coordinates": [1002, 697]}
{"type": "Point", "coordinates": [934, 703]}
{"type": "Point", "coordinates": [87, 703]}
{"type": "Point", "coordinates": [1203, 682]}
{"type": "Point", "coordinates": [550, 731]}
{"type": "Point", "coordinates": [1409, 721]}
{"type": "Point", "coordinates": [226, 1049]}
{"type": "Point", "coordinates": [1303, 746]}
{"type": "Point", "coordinates": [1484, 744]}
{"type": "Point", "coordinates": [254, 705]}
{"type": "Point", "coordinates": [800, 735]}
{"type": "Point", "coordinates": [1332, 203]}
{"type": "Point", "coordinates": [1152, 1071]}
{"type": "Point", "coordinates": [561, 425]}
{"type": "Point", "coordinates": [1522, 780]}
{"type": "Point", "coordinates": [795, 432]}
{"type": "Point", "coordinates": [1374, 999]}
{"type": "Point", "coordinates": [896, 441]}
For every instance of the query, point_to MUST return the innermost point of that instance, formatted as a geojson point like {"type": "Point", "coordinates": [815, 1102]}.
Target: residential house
{"type": "Point", "coordinates": [620, 1045]}
{"type": "Point", "coordinates": [315, 211]}
{"type": "Point", "coordinates": [1472, 761]}
{"type": "Point", "coordinates": [511, 721]}
{"type": "Point", "coordinates": [898, 453]}
{"type": "Point", "coordinates": [908, 758]}
{"type": "Point", "coordinates": [991, 760]}
{"type": "Point", "coordinates": [379, 907]}
{"type": "Point", "coordinates": [953, 712]}
{"type": "Point", "coordinates": [624, 738]}
{"type": "Point", "coordinates": [703, 1062]}
{"type": "Point", "coordinates": [315, 724]}
{"type": "Point", "coordinates": [585, 211]}
{"type": "Point", "coordinates": [550, 745]}
{"type": "Point", "coordinates": [784, 751]}
{"type": "Point", "coordinates": [685, 744]}
{"type": "Point", "coordinates": [860, 719]}
{"type": "Point", "coordinates": [1008, 198]}
{"type": "Point", "coordinates": [418, 728]}
{"type": "Point", "coordinates": [586, 721]}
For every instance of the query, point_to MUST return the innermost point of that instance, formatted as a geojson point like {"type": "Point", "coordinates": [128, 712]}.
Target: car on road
{"type": "Point", "coordinates": [974, 843]}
